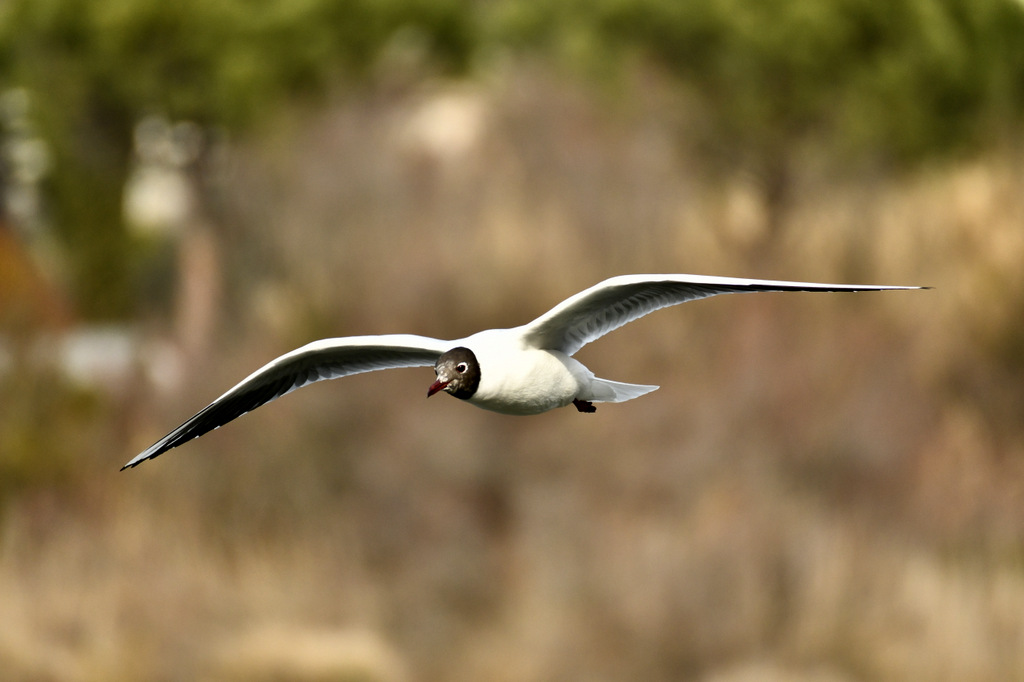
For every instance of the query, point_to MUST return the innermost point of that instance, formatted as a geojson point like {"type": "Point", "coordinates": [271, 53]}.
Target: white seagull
{"type": "Point", "coordinates": [523, 370]}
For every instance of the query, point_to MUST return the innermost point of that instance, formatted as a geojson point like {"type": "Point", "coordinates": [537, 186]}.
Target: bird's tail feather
{"type": "Point", "coordinates": [605, 391]}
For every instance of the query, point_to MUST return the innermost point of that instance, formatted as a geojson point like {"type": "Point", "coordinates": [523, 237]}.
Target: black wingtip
{"type": "Point", "coordinates": [143, 456]}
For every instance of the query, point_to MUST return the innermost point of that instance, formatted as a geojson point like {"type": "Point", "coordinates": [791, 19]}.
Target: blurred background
{"type": "Point", "coordinates": [826, 488]}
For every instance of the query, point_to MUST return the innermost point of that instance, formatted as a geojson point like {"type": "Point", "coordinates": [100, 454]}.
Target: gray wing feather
{"type": "Point", "coordinates": [606, 306]}
{"type": "Point", "coordinates": [317, 361]}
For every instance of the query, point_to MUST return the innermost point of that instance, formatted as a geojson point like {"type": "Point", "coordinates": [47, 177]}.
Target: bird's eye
{"type": "Point", "coordinates": [461, 368]}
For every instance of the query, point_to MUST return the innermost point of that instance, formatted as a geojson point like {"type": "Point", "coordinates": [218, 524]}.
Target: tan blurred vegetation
{"type": "Point", "coordinates": [825, 488]}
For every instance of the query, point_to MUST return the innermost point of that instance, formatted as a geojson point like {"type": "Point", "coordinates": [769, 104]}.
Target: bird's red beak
{"type": "Point", "coordinates": [437, 386]}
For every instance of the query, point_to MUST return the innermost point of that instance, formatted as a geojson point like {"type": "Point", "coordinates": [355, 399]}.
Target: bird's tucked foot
{"type": "Point", "coordinates": [584, 405]}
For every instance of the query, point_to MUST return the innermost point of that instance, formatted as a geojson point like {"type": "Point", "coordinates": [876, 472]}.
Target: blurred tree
{"type": "Point", "coordinates": [96, 68]}
{"type": "Point", "coordinates": [897, 82]}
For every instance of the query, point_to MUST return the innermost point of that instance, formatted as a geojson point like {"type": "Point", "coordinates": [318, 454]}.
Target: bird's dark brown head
{"type": "Point", "coordinates": [458, 374]}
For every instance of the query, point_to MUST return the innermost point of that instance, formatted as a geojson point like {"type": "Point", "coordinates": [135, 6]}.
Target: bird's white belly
{"type": "Point", "coordinates": [527, 381]}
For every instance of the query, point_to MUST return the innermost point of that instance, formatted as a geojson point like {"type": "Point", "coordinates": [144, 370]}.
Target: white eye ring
{"type": "Point", "coordinates": [461, 368]}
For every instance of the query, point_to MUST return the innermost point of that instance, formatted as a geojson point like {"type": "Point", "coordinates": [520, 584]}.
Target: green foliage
{"type": "Point", "coordinates": [95, 68]}
{"type": "Point", "coordinates": [916, 76]}
{"type": "Point", "coordinates": [907, 79]}
{"type": "Point", "coordinates": [222, 62]}
{"type": "Point", "coordinates": [902, 82]}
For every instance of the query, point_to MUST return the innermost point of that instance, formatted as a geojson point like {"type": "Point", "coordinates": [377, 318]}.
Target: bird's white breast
{"type": "Point", "coordinates": [515, 379]}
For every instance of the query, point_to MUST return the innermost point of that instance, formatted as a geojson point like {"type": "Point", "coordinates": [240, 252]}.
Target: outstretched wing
{"type": "Point", "coordinates": [316, 361]}
{"type": "Point", "coordinates": [604, 307]}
